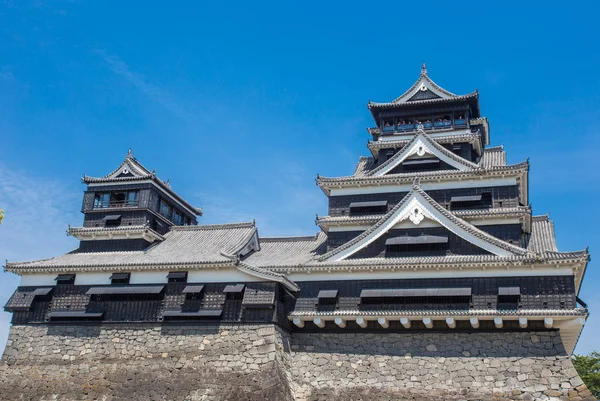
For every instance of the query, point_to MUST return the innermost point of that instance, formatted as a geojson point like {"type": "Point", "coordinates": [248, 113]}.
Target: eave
{"type": "Point", "coordinates": [516, 170]}
{"type": "Point", "coordinates": [122, 232]}
{"type": "Point", "coordinates": [19, 268]}
{"type": "Point", "coordinates": [389, 105]}
{"type": "Point", "coordinates": [521, 212]}
{"type": "Point", "coordinates": [472, 138]}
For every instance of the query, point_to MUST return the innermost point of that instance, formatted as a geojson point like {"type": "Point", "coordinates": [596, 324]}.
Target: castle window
{"type": "Point", "coordinates": [112, 220]}
{"type": "Point", "coordinates": [481, 200]}
{"type": "Point", "coordinates": [400, 246]}
{"type": "Point", "coordinates": [120, 278]}
{"type": "Point", "coordinates": [193, 292]}
{"type": "Point", "coordinates": [177, 218]}
{"type": "Point", "coordinates": [460, 121]}
{"type": "Point", "coordinates": [234, 291]}
{"type": "Point", "coordinates": [116, 199]}
{"type": "Point", "coordinates": [133, 198]}
{"type": "Point", "coordinates": [421, 298]}
{"type": "Point", "coordinates": [327, 297]}
{"type": "Point", "coordinates": [65, 279]}
{"type": "Point", "coordinates": [165, 209]}
{"type": "Point", "coordinates": [421, 164]}
{"type": "Point", "coordinates": [509, 298]}
{"type": "Point", "coordinates": [177, 277]}
{"type": "Point", "coordinates": [101, 201]}
{"type": "Point", "coordinates": [363, 208]}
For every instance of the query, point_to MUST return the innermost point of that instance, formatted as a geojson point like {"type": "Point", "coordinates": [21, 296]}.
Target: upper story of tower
{"type": "Point", "coordinates": [130, 208]}
{"type": "Point", "coordinates": [428, 106]}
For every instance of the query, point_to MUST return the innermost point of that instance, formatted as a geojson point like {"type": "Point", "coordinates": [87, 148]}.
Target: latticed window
{"type": "Point", "coordinates": [177, 218]}
{"type": "Point", "coordinates": [165, 209]}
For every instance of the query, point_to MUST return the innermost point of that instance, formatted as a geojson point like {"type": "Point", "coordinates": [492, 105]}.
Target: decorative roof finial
{"type": "Point", "coordinates": [423, 69]}
{"type": "Point", "coordinates": [129, 154]}
{"type": "Point", "coordinates": [416, 183]}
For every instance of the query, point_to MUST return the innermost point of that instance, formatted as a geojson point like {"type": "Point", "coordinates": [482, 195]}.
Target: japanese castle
{"type": "Point", "coordinates": [432, 233]}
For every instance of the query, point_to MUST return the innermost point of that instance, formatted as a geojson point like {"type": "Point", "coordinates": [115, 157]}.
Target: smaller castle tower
{"type": "Point", "coordinates": [129, 209]}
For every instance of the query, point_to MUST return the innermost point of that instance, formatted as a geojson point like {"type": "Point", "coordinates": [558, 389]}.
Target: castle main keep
{"type": "Point", "coordinates": [430, 279]}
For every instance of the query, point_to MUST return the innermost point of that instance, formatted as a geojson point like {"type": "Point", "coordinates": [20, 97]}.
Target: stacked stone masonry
{"type": "Point", "coordinates": [263, 362]}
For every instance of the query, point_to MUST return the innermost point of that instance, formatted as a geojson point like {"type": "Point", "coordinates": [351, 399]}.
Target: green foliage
{"type": "Point", "coordinates": [1, 215]}
{"type": "Point", "coordinates": [588, 367]}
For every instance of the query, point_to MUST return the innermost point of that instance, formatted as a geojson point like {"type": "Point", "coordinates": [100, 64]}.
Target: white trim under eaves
{"type": "Point", "coordinates": [426, 186]}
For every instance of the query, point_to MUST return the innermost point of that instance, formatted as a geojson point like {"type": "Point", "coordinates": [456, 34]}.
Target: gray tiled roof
{"type": "Point", "coordinates": [134, 229]}
{"type": "Point", "coordinates": [472, 95]}
{"type": "Point", "coordinates": [421, 135]}
{"type": "Point", "coordinates": [408, 96]}
{"type": "Point", "coordinates": [364, 165]}
{"type": "Point", "coordinates": [493, 157]}
{"type": "Point", "coordinates": [138, 173]}
{"type": "Point", "coordinates": [288, 251]}
{"type": "Point", "coordinates": [519, 168]}
{"type": "Point", "coordinates": [513, 249]}
{"type": "Point", "coordinates": [399, 143]}
{"type": "Point", "coordinates": [183, 246]}
{"type": "Point", "coordinates": [542, 234]}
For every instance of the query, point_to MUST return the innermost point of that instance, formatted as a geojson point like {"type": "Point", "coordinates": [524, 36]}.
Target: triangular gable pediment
{"type": "Point", "coordinates": [416, 207]}
{"type": "Point", "coordinates": [129, 168]}
{"type": "Point", "coordinates": [425, 94]}
{"type": "Point", "coordinates": [420, 146]}
{"type": "Point", "coordinates": [424, 89]}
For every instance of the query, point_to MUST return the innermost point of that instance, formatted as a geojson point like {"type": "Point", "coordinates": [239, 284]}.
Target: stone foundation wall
{"type": "Point", "coordinates": [153, 363]}
{"type": "Point", "coordinates": [434, 366]}
{"type": "Point", "coordinates": [263, 362]}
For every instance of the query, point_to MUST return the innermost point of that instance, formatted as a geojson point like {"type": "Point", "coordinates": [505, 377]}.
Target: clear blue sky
{"type": "Point", "coordinates": [241, 104]}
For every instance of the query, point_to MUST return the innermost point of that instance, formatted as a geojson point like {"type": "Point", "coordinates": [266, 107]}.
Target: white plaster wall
{"type": "Point", "coordinates": [226, 275]}
{"type": "Point", "coordinates": [38, 279]}
{"type": "Point", "coordinates": [90, 278]}
{"type": "Point", "coordinates": [149, 277]}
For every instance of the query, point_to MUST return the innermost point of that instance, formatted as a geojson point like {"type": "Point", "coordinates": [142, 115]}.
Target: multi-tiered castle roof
{"type": "Point", "coordinates": [433, 230]}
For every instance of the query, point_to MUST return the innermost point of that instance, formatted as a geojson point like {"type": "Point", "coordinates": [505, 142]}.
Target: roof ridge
{"type": "Point", "coordinates": [290, 238]}
{"type": "Point", "coordinates": [541, 217]}
{"type": "Point", "coordinates": [248, 224]}
{"type": "Point", "coordinates": [475, 93]}
{"type": "Point", "coordinates": [423, 77]}
{"type": "Point", "coordinates": [494, 148]}
{"type": "Point", "coordinates": [427, 174]}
